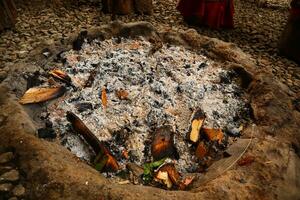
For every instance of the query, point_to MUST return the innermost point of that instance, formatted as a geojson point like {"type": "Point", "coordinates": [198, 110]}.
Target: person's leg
{"type": "Point", "coordinates": [228, 14]}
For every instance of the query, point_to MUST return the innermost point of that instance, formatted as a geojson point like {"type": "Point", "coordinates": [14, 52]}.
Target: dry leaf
{"type": "Point", "coordinates": [61, 75]}
{"type": "Point", "coordinates": [104, 97]}
{"type": "Point", "coordinates": [201, 151]}
{"type": "Point", "coordinates": [37, 95]}
{"type": "Point", "coordinates": [246, 160]}
{"type": "Point", "coordinates": [186, 182]}
{"type": "Point", "coordinates": [236, 150]}
{"type": "Point", "coordinates": [172, 172]}
{"type": "Point", "coordinates": [213, 134]}
{"type": "Point", "coordinates": [122, 94]}
{"type": "Point", "coordinates": [163, 143]}
{"type": "Point", "coordinates": [164, 177]}
{"type": "Point", "coordinates": [197, 123]}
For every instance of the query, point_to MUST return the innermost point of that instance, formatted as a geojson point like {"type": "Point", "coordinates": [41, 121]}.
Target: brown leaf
{"type": "Point", "coordinates": [197, 123]}
{"type": "Point", "coordinates": [122, 94]}
{"type": "Point", "coordinates": [164, 177]}
{"type": "Point", "coordinates": [104, 97]}
{"type": "Point", "coordinates": [186, 182]}
{"type": "Point", "coordinates": [201, 151]}
{"type": "Point", "coordinates": [63, 76]}
{"type": "Point", "coordinates": [172, 172]}
{"type": "Point", "coordinates": [37, 95]}
{"type": "Point", "coordinates": [163, 143]}
{"type": "Point", "coordinates": [213, 134]}
{"type": "Point", "coordinates": [246, 160]}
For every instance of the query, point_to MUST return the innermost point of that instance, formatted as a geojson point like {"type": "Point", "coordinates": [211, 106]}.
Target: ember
{"type": "Point", "coordinates": [131, 94]}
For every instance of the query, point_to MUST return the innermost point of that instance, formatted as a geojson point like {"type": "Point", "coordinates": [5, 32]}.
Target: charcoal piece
{"type": "Point", "coordinates": [48, 124]}
{"type": "Point", "coordinates": [81, 107]}
{"type": "Point", "coordinates": [202, 65]}
{"type": "Point", "coordinates": [225, 78]}
{"type": "Point", "coordinates": [46, 133]}
{"type": "Point", "coordinates": [187, 66]}
{"type": "Point", "coordinates": [33, 80]}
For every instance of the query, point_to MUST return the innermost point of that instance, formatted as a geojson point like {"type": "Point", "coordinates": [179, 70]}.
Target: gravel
{"type": "Point", "coordinates": [258, 25]}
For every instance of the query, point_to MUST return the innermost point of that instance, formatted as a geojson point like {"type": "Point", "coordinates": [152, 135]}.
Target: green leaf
{"type": "Point", "coordinates": [149, 168]}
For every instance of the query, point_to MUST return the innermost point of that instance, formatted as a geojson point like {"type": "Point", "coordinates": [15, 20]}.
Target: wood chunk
{"type": "Point", "coordinates": [63, 76]}
{"type": "Point", "coordinates": [122, 94]}
{"type": "Point", "coordinates": [98, 146]}
{"type": "Point", "coordinates": [201, 151]}
{"type": "Point", "coordinates": [163, 144]}
{"type": "Point", "coordinates": [37, 95]}
{"type": "Point", "coordinates": [104, 97]}
{"type": "Point", "coordinates": [213, 134]}
{"type": "Point", "coordinates": [197, 123]}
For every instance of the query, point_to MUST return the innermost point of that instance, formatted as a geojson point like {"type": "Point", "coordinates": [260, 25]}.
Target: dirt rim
{"type": "Point", "coordinates": [52, 172]}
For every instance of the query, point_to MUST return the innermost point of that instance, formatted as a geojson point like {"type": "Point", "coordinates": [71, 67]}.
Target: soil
{"type": "Point", "coordinates": [50, 171]}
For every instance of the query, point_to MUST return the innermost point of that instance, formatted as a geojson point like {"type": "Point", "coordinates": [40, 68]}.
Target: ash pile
{"type": "Point", "coordinates": [147, 118]}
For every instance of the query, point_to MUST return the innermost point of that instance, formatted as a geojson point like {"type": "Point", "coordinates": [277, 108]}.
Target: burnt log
{"type": "Point", "coordinates": [8, 14]}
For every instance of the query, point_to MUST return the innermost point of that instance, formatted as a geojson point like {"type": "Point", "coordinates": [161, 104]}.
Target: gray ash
{"type": "Point", "coordinates": [164, 89]}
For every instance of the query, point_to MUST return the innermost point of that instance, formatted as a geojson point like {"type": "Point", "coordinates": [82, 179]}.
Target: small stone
{"type": "Point", "coordinates": [6, 157]}
{"type": "Point", "coordinates": [12, 175]}
{"type": "Point", "coordinates": [4, 169]}
{"type": "Point", "coordinates": [6, 187]}
{"type": "Point", "coordinates": [19, 191]}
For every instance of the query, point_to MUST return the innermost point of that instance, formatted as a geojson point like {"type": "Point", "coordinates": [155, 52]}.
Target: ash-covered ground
{"type": "Point", "coordinates": [164, 89]}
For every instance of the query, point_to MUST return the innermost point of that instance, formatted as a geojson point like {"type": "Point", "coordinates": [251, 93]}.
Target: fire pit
{"type": "Point", "coordinates": [172, 104]}
{"type": "Point", "coordinates": [173, 113]}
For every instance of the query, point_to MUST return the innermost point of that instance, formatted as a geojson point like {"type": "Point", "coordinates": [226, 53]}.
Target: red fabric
{"type": "Point", "coordinates": [295, 12]}
{"type": "Point", "coordinates": [215, 14]}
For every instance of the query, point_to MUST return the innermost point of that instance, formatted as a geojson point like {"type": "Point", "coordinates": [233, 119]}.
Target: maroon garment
{"type": "Point", "coordinates": [213, 13]}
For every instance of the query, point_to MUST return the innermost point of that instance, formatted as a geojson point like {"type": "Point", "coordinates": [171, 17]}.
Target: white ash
{"type": "Point", "coordinates": [164, 89]}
